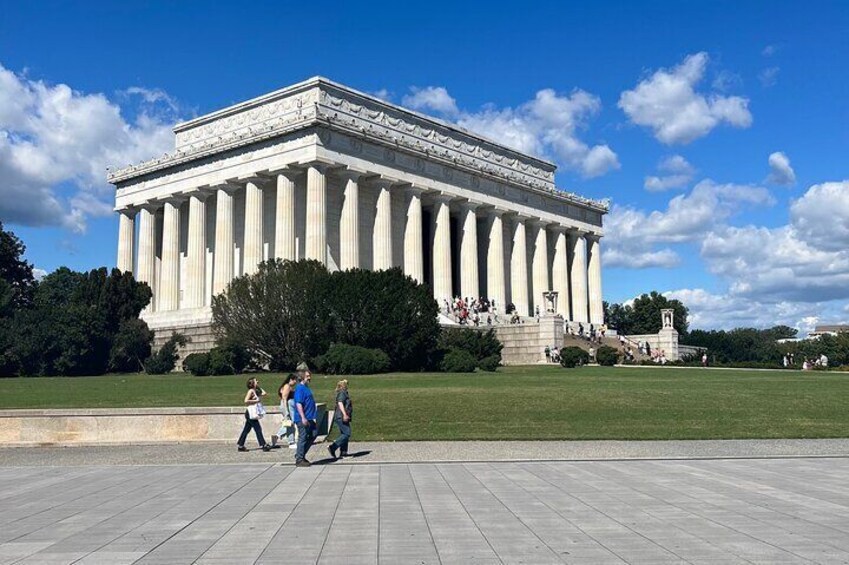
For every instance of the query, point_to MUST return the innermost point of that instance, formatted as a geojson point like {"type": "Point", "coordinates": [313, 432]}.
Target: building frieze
{"type": "Point", "coordinates": [321, 102]}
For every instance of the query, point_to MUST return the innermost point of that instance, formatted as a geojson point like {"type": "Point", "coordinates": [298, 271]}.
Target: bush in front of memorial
{"type": "Point", "coordinates": [291, 311]}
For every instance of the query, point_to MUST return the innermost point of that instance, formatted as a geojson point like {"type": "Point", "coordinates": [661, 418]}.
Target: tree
{"type": "Point", "coordinates": [292, 311]}
{"type": "Point", "coordinates": [384, 310]}
{"type": "Point", "coordinates": [14, 270]}
{"type": "Point", "coordinates": [643, 315]}
{"type": "Point", "coordinates": [74, 319]}
{"type": "Point", "coordinates": [280, 313]}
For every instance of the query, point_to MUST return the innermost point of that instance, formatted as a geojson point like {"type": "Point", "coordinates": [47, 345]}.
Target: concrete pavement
{"type": "Point", "coordinates": [772, 510]}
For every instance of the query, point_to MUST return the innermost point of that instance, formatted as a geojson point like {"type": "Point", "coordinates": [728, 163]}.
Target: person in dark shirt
{"type": "Point", "coordinates": [342, 418]}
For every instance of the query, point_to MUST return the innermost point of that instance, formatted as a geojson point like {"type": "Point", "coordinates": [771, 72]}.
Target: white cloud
{"type": "Point", "coordinates": [547, 126]}
{"type": "Point", "coordinates": [821, 215]}
{"type": "Point", "coordinates": [434, 98]}
{"type": "Point", "coordinates": [631, 234]}
{"type": "Point", "coordinates": [727, 311]}
{"type": "Point", "coordinates": [678, 173]}
{"type": "Point", "coordinates": [769, 50]}
{"type": "Point", "coordinates": [781, 172]}
{"type": "Point", "coordinates": [796, 274]}
{"type": "Point", "coordinates": [668, 103]}
{"type": "Point", "coordinates": [769, 76]}
{"type": "Point", "coordinates": [383, 94]}
{"type": "Point", "coordinates": [55, 145]}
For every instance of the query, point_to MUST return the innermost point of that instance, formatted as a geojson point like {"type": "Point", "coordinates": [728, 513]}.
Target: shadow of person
{"type": "Point", "coordinates": [358, 454]}
{"type": "Point", "coordinates": [324, 461]}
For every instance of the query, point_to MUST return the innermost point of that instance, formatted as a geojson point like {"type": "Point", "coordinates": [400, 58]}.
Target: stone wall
{"type": "Point", "coordinates": [25, 428]}
{"type": "Point", "coordinates": [524, 344]}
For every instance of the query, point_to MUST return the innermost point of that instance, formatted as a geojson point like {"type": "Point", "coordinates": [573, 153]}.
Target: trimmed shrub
{"type": "Point", "coordinates": [606, 356]}
{"type": "Point", "coordinates": [458, 361]}
{"type": "Point", "coordinates": [481, 345]}
{"type": "Point", "coordinates": [164, 360]}
{"type": "Point", "coordinates": [572, 356]}
{"type": "Point", "coordinates": [343, 359]}
{"type": "Point", "coordinates": [228, 358]}
{"type": "Point", "coordinates": [490, 363]}
{"type": "Point", "coordinates": [197, 364]}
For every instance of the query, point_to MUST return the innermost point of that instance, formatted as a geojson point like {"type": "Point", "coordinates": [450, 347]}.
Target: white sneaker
{"type": "Point", "coordinates": [293, 446]}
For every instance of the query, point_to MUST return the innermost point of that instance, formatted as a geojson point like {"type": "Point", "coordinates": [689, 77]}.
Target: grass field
{"type": "Point", "coordinates": [540, 402]}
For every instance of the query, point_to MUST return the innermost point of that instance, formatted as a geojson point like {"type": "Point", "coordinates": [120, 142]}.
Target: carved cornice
{"type": "Point", "coordinates": [322, 102]}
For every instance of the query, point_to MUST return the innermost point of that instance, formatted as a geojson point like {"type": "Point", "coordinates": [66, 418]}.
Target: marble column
{"type": "Point", "coordinates": [442, 251]}
{"type": "Point", "coordinates": [594, 279]}
{"type": "Point", "coordinates": [469, 251]}
{"type": "Point", "coordinates": [284, 226]}
{"type": "Point", "coordinates": [253, 228]}
{"type": "Point", "coordinates": [224, 258]}
{"type": "Point", "coordinates": [578, 277]}
{"type": "Point", "coordinates": [147, 253]}
{"type": "Point", "coordinates": [349, 222]}
{"type": "Point", "coordinates": [539, 267]}
{"type": "Point", "coordinates": [382, 234]}
{"type": "Point", "coordinates": [519, 268]}
{"type": "Point", "coordinates": [495, 287]}
{"type": "Point", "coordinates": [316, 228]}
{"type": "Point", "coordinates": [413, 255]}
{"type": "Point", "coordinates": [169, 277]}
{"type": "Point", "coordinates": [196, 252]}
{"type": "Point", "coordinates": [126, 235]}
{"type": "Point", "coordinates": [560, 272]}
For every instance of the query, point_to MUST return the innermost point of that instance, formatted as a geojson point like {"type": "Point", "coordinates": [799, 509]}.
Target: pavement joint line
{"type": "Point", "coordinates": [449, 461]}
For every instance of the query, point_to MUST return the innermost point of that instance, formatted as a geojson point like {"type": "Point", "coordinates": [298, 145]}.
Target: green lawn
{"type": "Point", "coordinates": [541, 402]}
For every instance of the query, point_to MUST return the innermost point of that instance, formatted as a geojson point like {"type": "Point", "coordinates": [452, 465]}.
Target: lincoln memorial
{"type": "Point", "coordinates": [320, 171]}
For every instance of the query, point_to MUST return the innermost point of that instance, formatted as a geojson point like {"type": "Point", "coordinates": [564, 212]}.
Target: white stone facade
{"type": "Point", "coordinates": [318, 170]}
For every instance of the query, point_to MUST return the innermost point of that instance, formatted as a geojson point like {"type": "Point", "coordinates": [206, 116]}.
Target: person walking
{"type": "Point", "coordinates": [342, 419]}
{"type": "Point", "coordinates": [286, 393]}
{"type": "Point", "coordinates": [252, 398]}
{"type": "Point", "coordinates": [305, 416]}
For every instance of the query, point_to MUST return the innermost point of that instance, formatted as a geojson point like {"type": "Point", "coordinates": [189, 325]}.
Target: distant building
{"type": "Point", "coordinates": [829, 330]}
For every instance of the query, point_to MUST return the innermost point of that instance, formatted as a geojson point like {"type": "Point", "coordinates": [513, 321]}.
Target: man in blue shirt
{"type": "Point", "coordinates": [304, 418]}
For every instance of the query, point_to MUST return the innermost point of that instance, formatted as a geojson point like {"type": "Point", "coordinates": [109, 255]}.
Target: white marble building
{"type": "Point", "coordinates": [321, 171]}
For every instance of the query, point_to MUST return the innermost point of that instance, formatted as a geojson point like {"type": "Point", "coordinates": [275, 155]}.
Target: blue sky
{"type": "Point", "coordinates": [739, 109]}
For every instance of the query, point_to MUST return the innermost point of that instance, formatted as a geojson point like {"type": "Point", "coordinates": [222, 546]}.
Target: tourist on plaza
{"type": "Point", "coordinates": [342, 419]}
{"type": "Point", "coordinates": [704, 359]}
{"type": "Point", "coordinates": [592, 355]}
{"type": "Point", "coordinates": [286, 393]}
{"type": "Point", "coordinates": [785, 362]}
{"type": "Point", "coordinates": [253, 398]}
{"type": "Point", "coordinates": [305, 416]}
{"type": "Point", "coordinates": [547, 354]}
{"type": "Point", "coordinates": [555, 354]}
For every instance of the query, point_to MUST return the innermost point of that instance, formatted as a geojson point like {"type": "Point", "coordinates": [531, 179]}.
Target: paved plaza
{"type": "Point", "coordinates": [769, 510]}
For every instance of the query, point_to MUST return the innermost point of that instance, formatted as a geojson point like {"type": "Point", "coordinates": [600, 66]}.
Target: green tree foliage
{"type": "Point", "coordinates": [643, 316]}
{"type": "Point", "coordinates": [607, 356]}
{"type": "Point", "coordinates": [14, 271]}
{"type": "Point", "coordinates": [291, 311]}
{"type": "Point", "coordinates": [225, 359]}
{"type": "Point", "coordinates": [71, 326]}
{"type": "Point", "coordinates": [164, 360]}
{"type": "Point", "coordinates": [750, 345]}
{"type": "Point", "coordinates": [280, 313]}
{"type": "Point", "coordinates": [483, 346]}
{"type": "Point", "coordinates": [458, 361]}
{"type": "Point", "coordinates": [131, 346]}
{"type": "Point", "coordinates": [342, 359]}
{"type": "Point", "coordinates": [384, 310]}
{"type": "Point", "coordinates": [572, 356]}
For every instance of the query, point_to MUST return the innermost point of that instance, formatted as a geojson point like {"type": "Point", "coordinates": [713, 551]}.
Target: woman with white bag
{"type": "Point", "coordinates": [253, 414]}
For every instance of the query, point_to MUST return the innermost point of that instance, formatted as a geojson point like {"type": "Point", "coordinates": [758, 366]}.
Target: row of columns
{"type": "Point", "coordinates": [575, 268]}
